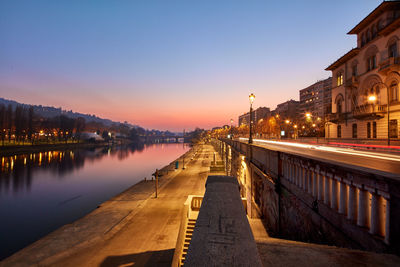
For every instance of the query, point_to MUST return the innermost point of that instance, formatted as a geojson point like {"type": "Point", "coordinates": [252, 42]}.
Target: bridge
{"type": "Point", "coordinates": [347, 200]}
{"type": "Point", "coordinates": [165, 138]}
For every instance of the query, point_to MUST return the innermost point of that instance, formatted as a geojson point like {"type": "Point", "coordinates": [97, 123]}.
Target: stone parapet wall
{"type": "Point", "coordinates": [310, 199]}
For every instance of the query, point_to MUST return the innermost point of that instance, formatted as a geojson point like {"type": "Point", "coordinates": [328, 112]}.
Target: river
{"type": "Point", "coordinates": [40, 192]}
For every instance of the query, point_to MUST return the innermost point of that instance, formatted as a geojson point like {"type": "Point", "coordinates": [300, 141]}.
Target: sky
{"type": "Point", "coordinates": [170, 65]}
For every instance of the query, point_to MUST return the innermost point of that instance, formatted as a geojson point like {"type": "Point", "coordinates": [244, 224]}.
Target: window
{"type": "Point", "coordinates": [374, 129]}
{"type": "Point", "coordinates": [363, 41]}
{"type": "Point", "coordinates": [354, 127]}
{"type": "Point", "coordinates": [339, 79]}
{"type": "Point", "coordinates": [380, 25]}
{"type": "Point", "coordinates": [393, 50]}
{"type": "Point", "coordinates": [339, 131]}
{"type": "Point", "coordinates": [374, 31]}
{"type": "Point", "coordinates": [354, 70]}
{"type": "Point", "coordinates": [393, 129]}
{"type": "Point", "coordinates": [368, 35]}
{"type": "Point", "coordinates": [394, 92]}
{"type": "Point", "coordinates": [368, 130]}
{"type": "Point", "coordinates": [371, 63]}
{"type": "Point", "coordinates": [339, 106]}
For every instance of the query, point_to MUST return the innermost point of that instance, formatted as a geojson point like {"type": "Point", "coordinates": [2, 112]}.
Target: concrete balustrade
{"type": "Point", "coordinates": [362, 203]}
{"type": "Point", "coordinates": [377, 215]}
{"type": "Point", "coordinates": [320, 186]}
{"type": "Point", "coordinates": [327, 192]}
{"type": "Point", "coordinates": [335, 194]}
{"type": "Point", "coordinates": [352, 203]}
{"type": "Point", "coordinates": [343, 198]}
{"type": "Point", "coordinates": [363, 208]}
{"type": "Point", "coordinates": [315, 182]}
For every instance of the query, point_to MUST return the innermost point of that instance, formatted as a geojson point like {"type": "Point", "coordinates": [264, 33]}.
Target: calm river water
{"type": "Point", "coordinates": [40, 192]}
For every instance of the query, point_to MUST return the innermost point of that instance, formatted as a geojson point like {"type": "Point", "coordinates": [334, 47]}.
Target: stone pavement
{"type": "Point", "coordinates": [280, 252]}
{"type": "Point", "coordinates": [132, 228]}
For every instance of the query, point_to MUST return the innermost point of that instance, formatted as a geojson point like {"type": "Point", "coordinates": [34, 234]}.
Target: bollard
{"type": "Point", "coordinates": [156, 174]}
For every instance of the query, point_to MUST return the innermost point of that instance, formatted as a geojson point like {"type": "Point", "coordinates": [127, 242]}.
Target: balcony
{"type": "Point", "coordinates": [369, 112]}
{"type": "Point", "coordinates": [352, 82]}
{"type": "Point", "coordinates": [336, 117]}
{"type": "Point", "coordinates": [389, 64]}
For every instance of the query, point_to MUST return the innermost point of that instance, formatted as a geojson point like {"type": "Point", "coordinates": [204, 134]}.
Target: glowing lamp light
{"type": "Point", "coordinates": [287, 121]}
{"type": "Point", "coordinates": [295, 126]}
{"type": "Point", "coordinates": [308, 115]}
{"type": "Point", "coordinates": [251, 98]}
{"type": "Point", "coordinates": [372, 98]}
{"type": "Point", "coordinates": [313, 125]}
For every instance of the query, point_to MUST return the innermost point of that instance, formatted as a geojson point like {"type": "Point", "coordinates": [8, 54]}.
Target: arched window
{"type": "Point", "coordinates": [339, 79]}
{"type": "Point", "coordinates": [370, 57]}
{"type": "Point", "coordinates": [392, 49]}
{"type": "Point", "coordinates": [394, 92]}
{"type": "Point", "coordinates": [371, 63]}
{"type": "Point", "coordinates": [339, 103]}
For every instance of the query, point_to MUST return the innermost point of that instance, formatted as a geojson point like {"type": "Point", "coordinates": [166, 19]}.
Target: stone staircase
{"type": "Point", "coordinates": [188, 237]}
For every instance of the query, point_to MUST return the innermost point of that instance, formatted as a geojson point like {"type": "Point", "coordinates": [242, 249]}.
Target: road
{"type": "Point", "coordinates": [149, 238]}
{"type": "Point", "coordinates": [379, 161]}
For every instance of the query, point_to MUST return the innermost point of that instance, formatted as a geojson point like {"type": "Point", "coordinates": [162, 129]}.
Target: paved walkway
{"type": "Point", "coordinates": [280, 252]}
{"type": "Point", "coordinates": [132, 228]}
{"type": "Point", "coordinates": [149, 238]}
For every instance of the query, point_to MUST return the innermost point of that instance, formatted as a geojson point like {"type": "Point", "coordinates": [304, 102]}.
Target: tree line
{"type": "Point", "coordinates": [21, 124]}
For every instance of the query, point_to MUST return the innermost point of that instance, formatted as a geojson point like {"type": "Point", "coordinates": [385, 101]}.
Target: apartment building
{"type": "Point", "coordinates": [365, 83]}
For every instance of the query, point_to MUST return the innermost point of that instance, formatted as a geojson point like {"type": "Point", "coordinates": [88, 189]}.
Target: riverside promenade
{"type": "Point", "coordinates": [135, 228]}
{"type": "Point", "coordinates": [132, 228]}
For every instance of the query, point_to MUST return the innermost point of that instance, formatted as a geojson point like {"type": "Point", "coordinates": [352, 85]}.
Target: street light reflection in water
{"type": "Point", "coordinates": [39, 192]}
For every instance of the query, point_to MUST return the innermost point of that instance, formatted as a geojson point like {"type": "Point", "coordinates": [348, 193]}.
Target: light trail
{"type": "Point", "coordinates": [348, 151]}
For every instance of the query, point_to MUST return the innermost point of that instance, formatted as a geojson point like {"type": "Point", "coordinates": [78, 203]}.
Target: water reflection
{"type": "Point", "coordinates": [16, 171]}
{"type": "Point", "coordinates": [40, 192]}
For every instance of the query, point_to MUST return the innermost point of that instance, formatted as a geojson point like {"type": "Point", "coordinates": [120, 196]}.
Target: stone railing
{"type": "Point", "coordinates": [360, 205]}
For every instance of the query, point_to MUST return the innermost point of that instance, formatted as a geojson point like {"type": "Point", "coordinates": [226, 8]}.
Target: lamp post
{"type": "Point", "coordinates": [231, 128]}
{"type": "Point", "coordinates": [372, 98]}
{"type": "Point", "coordinates": [251, 99]}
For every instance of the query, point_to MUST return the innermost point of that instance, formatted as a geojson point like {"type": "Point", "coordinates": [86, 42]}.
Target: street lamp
{"type": "Point", "coordinates": [372, 98]}
{"type": "Point", "coordinates": [231, 128]}
{"type": "Point", "coordinates": [251, 99]}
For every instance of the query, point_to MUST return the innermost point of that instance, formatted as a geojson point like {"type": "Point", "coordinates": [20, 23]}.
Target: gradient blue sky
{"type": "Point", "coordinates": [170, 64]}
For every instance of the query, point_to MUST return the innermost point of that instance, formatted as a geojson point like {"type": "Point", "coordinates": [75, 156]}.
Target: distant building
{"type": "Point", "coordinates": [316, 99]}
{"type": "Point", "coordinates": [288, 109]}
{"type": "Point", "coordinates": [258, 114]}
{"type": "Point", "coordinates": [366, 79]}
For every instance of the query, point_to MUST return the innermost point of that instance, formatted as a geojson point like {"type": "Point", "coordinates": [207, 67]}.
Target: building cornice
{"type": "Point", "coordinates": [352, 53]}
{"type": "Point", "coordinates": [383, 7]}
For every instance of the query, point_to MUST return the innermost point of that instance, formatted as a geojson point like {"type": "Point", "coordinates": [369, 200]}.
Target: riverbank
{"type": "Point", "coordinates": [102, 223]}
{"type": "Point", "coordinates": [24, 149]}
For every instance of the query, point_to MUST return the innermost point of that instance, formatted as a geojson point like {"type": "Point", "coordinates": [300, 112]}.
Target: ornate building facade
{"type": "Point", "coordinates": [365, 81]}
